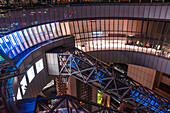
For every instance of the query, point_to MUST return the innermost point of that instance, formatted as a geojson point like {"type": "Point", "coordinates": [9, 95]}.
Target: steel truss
{"type": "Point", "coordinates": [96, 73]}
{"type": "Point", "coordinates": [8, 69]}
{"type": "Point", "coordinates": [69, 104]}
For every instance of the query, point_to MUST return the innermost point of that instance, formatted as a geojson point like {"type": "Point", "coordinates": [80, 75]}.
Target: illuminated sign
{"type": "Point", "coordinates": [98, 34]}
{"type": "Point", "coordinates": [130, 35]}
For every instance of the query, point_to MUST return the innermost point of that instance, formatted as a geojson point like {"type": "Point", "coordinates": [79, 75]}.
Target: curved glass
{"type": "Point", "coordinates": [18, 41]}
{"type": "Point", "coordinates": [152, 37]}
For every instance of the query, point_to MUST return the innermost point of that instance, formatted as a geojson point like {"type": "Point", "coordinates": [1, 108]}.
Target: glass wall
{"type": "Point", "coordinates": [19, 41]}
{"type": "Point", "coordinates": [152, 37]}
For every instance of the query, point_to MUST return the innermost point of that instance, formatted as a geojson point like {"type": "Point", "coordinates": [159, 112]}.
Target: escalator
{"type": "Point", "coordinates": [121, 88]}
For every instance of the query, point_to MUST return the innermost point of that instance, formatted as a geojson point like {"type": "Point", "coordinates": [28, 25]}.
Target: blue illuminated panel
{"type": "Point", "coordinates": [45, 32]}
{"type": "Point", "coordinates": [36, 34]}
{"type": "Point", "coordinates": [10, 51]}
{"type": "Point", "coordinates": [23, 40]}
{"type": "Point", "coordinates": [49, 31]}
{"type": "Point", "coordinates": [18, 41]}
{"type": "Point", "coordinates": [5, 48]}
{"type": "Point", "coordinates": [67, 28]}
{"type": "Point", "coordinates": [3, 45]}
{"type": "Point", "coordinates": [14, 43]}
{"type": "Point", "coordinates": [27, 37]}
{"type": "Point", "coordinates": [41, 33]}
{"type": "Point", "coordinates": [32, 36]}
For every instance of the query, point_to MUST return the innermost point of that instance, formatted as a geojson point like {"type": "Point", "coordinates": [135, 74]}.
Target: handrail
{"type": "Point", "coordinates": [8, 69]}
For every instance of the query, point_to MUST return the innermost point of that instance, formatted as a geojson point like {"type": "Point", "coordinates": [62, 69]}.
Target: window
{"type": "Point", "coordinates": [45, 32]}
{"type": "Point", "coordinates": [72, 26]}
{"type": "Point", "coordinates": [98, 34]}
{"type": "Point", "coordinates": [12, 51]}
{"type": "Point", "coordinates": [5, 48]}
{"type": "Point", "coordinates": [67, 28]}
{"type": "Point", "coordinates": [27, 37]}
{"type": "Point", "coordinates": [63, 29]}
{"type": "Point", "coordinates": [54, 29]}
{"type": "Point", "coordinates": [14, 43]}
{"type": "Point", "coordinates": [39, 65]}
{"type": "Point", "coordinates": [23, 84]}
{"type": "Point", "coordinates": [41, 34]}
{"type": "Point", "coordinates": [58, 29]}
{"type": "Point", "coordinates": [30, 74]}
{"type": "Point", "coordinates": [50, 31]}
{"type": "Point", "coordinates": [32, 36]}
{"type": "Point", "coordinates": [18, 41]}
{"type": "Point", "coordinates": [19, 94]}
{"type": "Point", "coordinates": [9, 44]}
{"type": "Point", "coordinates": [3, 45]}
{"type": "Point", "coordinates": [21, 36]}
{"type": "Point", "coordinates": [36, 34]}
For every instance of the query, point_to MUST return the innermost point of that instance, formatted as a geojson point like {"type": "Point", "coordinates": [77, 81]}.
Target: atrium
{"type": "Point", "coordinates": [85, 56]}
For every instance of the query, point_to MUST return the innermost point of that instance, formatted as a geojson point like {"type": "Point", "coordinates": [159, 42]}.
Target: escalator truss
{"type": "Point", "coordinates": [86, 68]}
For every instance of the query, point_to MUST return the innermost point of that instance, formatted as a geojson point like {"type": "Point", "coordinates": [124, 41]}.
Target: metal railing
{"type": "Point", "coordinates": [8, 70]}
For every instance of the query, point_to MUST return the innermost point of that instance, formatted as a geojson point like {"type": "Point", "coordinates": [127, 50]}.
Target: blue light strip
{"type": "Point", "coordinates": [12, 45]}
{"type": "Point", "coordinates": [5, 44]}
{"type": "Point", "coordinates": [1, 41]}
